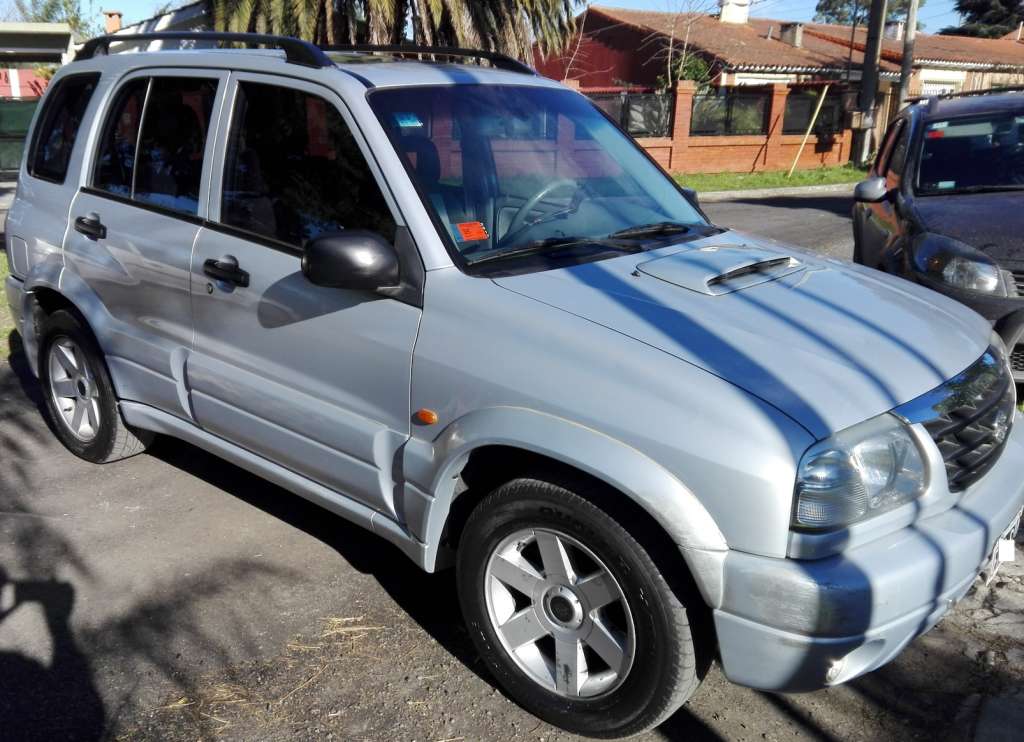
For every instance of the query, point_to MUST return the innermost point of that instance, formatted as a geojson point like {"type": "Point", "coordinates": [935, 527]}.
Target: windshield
{"type": "Point", "coordinates": [976, 154]}
{"type": "Point", "coordinates": [517, 172]}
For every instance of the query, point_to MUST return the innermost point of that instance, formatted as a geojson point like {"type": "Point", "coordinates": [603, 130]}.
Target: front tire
{"type": "Point", "coordinates": [571, 614]}
{"type": "Point", "coordinates": [79, 395]}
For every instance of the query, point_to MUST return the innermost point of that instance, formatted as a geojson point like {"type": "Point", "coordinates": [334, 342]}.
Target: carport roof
{"type": "Point", "coordinates": [33, 42]}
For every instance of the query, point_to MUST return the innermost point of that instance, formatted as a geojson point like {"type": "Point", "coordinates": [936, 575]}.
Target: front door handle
{"type": "Point", "coordinates": [91, 226]}
{"type": "Point", "coordinates": [226, 269]}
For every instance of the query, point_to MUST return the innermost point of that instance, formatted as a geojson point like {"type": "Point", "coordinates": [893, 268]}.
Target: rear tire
{"type": "Point", "coordinates": [79, 395]}
{"type": "Point", "coordinates": [577, 578]}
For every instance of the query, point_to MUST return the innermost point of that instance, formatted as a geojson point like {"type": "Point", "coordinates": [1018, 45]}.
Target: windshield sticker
{"type": "Point", "coordinates": [407, 120]}
{"type": "Point", "coordinates": [947, 184]}
{"type": "Point", "coordinates": [471, 231]}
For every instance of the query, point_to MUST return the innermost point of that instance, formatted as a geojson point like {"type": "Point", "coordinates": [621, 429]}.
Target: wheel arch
{"type": "Point", "coordinates": [49, 287]}
{"type": "Point", "coordinates": [535, 441]}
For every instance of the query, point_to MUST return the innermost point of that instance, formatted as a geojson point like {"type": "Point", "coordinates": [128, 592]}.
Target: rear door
{"type": "Point", "coordinates": [38, 217]}
{"type": "Point", "coordinates": [134, 224]}
{"type": "Point", "coordinates": [315, 379]}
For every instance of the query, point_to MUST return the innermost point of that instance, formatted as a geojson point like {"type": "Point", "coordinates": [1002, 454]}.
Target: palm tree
{"type": "Point", "coordinates": [509, 26]}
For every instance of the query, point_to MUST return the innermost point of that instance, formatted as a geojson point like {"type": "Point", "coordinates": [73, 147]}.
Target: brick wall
{"type": "Point", "coordinates": [684, 153]}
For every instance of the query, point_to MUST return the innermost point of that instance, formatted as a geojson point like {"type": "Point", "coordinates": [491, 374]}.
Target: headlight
{"type": "Point", "coordinates": [858, 473]}
{"type": "Point", "coordinates": [956, 264]}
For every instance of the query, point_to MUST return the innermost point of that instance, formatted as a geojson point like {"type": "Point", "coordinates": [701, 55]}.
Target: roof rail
{"type": "Point", "coordinates": [296, 51]}
{"type": "Point", "coordinates": [501, 61]}
{"type": "Point", "coordinates": [932, 100]}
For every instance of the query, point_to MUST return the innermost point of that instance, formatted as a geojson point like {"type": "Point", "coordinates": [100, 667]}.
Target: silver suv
{"type": "Point", "coordinates": [457, 305]}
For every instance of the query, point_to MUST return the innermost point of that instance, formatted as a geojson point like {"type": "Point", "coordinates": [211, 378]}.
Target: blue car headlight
{"type": "Point", "coordinates": [956, 264]}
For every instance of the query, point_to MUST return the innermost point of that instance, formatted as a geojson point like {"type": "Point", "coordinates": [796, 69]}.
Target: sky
{"type": "Point", "coordinates": [934, 14]}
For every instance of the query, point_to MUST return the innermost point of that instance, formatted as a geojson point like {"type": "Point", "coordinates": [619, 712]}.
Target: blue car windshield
{"type": "Point", "coordinates": [507, 170]}
{"type": "Point", "coordinates": [972, 155]}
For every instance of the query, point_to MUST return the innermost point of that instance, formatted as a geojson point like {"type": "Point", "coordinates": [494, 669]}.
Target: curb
{"type": "Point", "coordinates": [710, 197]}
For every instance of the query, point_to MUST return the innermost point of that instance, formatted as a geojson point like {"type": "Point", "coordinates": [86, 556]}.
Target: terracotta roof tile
{"type": "Point", "coordinates": [825, 46]}
{"type": "Point", "coordinates": [738, 45]}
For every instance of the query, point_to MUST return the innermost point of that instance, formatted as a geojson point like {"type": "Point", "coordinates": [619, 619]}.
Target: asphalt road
{"type": "Point", "coordinates": [174, 596]}
{"type": "Point", "coordinates": [820, 222]}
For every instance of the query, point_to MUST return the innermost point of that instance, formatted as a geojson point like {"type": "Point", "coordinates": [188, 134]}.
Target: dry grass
{"type": "Point", "coordinates": [6, 320]}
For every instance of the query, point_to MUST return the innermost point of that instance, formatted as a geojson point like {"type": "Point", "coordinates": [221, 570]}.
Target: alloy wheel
{"type": "Point", "coordinates": [73, 389]}
{"type": "Point", "coordinates": [559, 613]}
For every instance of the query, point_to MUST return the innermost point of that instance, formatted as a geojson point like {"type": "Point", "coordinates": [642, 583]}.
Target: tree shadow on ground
{"type": "Point", "coordinates": [43, 568]}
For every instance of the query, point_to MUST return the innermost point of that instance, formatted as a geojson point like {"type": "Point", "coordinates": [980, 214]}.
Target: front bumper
{"type": "Point", "coordinates": [798, 625]}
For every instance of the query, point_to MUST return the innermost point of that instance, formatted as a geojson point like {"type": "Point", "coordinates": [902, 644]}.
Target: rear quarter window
{"type": "Point", "coordinates": [57, 127]}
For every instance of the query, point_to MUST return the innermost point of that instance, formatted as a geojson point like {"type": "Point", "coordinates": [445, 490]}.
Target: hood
{"type": "Point", "coordinates": [826, 342]}
{"type": "Point", "coordinates": [990, 222]}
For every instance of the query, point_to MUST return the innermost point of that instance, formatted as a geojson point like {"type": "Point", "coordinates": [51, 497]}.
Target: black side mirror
{"type": "Point", "coordinates": [871, 191]}
{"type": "Point", "coordinates": [353, 259]}
{"type": "Point", "coordinates": [692, 195]}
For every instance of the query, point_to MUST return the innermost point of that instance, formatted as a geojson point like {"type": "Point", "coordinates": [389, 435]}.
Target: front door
{"type": "Point", "coordinates": [135, 221]}
{"type": "Point", "coordinates": [884, 230]}
{"type": "Point", "coordinates": [315, 379]}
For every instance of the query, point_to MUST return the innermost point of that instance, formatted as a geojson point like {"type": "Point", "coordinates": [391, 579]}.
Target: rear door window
{"type": "Point", "coordinates": [293, 169]}
{"type": "Point", "coordinates": [170, 162]}
{"type": "Point", "coordinates": [153, 142]}
{"type": "Point", "coordinates": [115, 163]}
{"type": "Point", "coordinates": [57, 130]}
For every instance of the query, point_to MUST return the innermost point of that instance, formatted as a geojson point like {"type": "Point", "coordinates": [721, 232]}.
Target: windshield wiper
{"type": "Point", "coordinates": [651, 230]}
{"type": "Point", "coordinates": [541, 246]}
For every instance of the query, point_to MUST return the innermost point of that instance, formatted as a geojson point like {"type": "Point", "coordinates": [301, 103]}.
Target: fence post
{"type": "Point", "coordinates": [685, 90]}
{"type": "Point", "coordinates": [774, 156]}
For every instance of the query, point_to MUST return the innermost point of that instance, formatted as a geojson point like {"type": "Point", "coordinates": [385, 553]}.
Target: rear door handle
{"type": "Point", "coordinates": [226, 269]}
{"type": "Point", "coordinates": [91, 226]}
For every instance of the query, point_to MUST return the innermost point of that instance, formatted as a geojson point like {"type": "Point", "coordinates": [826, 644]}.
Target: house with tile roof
{"type": "Point", "coordinates": [763, 81]}
{"type": "Point", "coordinates": [619, 46]}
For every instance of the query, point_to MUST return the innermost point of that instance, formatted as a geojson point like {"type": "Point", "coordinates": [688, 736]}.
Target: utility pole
{"type": "Point", "coordinates": [907, 66]}
{"type": "Point", "coordinates": [869, 75]}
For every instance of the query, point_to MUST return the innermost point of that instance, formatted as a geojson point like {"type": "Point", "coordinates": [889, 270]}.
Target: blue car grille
{"type": "Point", "coordinates": [969, 418]}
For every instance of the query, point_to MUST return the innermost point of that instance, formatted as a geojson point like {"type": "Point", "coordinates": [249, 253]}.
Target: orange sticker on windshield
{"type": "Point", "coordinates": [471, 231]}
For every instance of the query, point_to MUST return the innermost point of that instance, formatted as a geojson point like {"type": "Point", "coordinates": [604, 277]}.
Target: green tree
{"type": "Point", "coordinates": [987, 18]}
{"type": "Point", "coordinates": [509, 26]}
{"type": "Point", "coordinates": [842, 11]}
{"type": "Point", "coordinates": [60, 11]}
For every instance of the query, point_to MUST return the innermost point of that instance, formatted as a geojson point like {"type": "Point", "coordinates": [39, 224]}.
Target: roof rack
{"type": "Point", "coordinates": [302, 52]}
{"type": "Point", "coordinates": [931, 100]}
{"type": "Point", "coordinates": [501, 61]}
{"type": "Point", "coordinates": [296, 51]}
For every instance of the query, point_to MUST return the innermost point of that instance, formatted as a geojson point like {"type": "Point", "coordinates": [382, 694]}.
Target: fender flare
{"type": "Point", "coordinates": [50, 273]}
{"type": "Point", "coordinates": [436, 466]}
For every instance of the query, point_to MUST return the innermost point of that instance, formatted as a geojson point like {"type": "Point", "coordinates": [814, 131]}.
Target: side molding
{"type": "Point", "coordinates": [433, 468]}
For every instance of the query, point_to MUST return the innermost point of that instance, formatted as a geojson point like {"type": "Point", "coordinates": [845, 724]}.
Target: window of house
{"type": "Point", "coordinates": [58, 127]}
{"type": "Point", "coordinates": [293, 169]}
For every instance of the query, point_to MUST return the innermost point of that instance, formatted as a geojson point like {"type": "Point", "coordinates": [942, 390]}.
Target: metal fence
{"type": "Point", "coordinates": [641, 114]}
{"type": "Point", "coordinates": [729, 113]}
{"type": "Point", "coordinates": [15, 116]}
{"type": "Point", "coordinates": [800, 108]}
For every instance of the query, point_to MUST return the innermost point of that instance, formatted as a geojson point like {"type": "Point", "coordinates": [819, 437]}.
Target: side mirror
{"type": "Point", "coordinates": [353, 259]}
{"type": "Point", "coordinates": [692, 195]}
{"type": "Point", "coordinates": [871, 191]}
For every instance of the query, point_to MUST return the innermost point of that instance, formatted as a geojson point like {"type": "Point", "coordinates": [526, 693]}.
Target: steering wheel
{"type": "Point", "coordinates": [519, 220]}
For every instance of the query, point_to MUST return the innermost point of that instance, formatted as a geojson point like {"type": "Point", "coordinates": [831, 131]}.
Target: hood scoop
{"type": "Point", "coordinates": [721, 269]}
